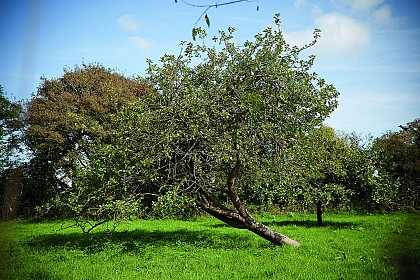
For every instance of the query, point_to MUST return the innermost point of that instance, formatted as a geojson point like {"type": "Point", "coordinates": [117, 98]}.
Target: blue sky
{"type": "Point", "coordinates": [369, 49]}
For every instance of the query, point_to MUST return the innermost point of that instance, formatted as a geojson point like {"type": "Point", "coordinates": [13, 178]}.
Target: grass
{"type": "Point", "coordinates": [349, 246]}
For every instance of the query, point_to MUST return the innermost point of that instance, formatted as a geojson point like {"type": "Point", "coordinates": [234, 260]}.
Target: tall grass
{"type": "Point", "coordinates": [348, 247]}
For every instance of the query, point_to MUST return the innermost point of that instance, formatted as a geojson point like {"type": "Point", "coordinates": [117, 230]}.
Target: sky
{"type": "Point", "coordinates": [369, 49]}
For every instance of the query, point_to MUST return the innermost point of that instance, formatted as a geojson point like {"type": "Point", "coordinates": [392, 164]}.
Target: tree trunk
{"type": "Point", "coordinates": [240, 217]}
{"type": "Point", "coordinates": [319, 210]}
{"type": "Point", "coordinates": [11, 193]}
{"type": "Point", "coordinates": [271, 235]}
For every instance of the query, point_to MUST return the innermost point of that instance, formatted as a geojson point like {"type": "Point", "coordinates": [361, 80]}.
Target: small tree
{"type": "Point", "coordinates": [216, 117]}
{"type": "Point", "coordinates": [320, 159]}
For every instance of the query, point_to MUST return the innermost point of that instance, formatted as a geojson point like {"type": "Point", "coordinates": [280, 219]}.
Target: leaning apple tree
{"type": "Point", "coordinates": [214, 118]}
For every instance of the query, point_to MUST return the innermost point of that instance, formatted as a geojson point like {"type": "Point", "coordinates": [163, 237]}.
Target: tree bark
{"type": "Point", "coordinates": [240, 217]}
{"type": "Point", "coordinates": [319, 210]}
{"type": "Point", "coordinates": [11, 195]}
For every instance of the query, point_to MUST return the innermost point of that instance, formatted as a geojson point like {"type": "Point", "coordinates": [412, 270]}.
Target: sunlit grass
{"type": "Point", "coordinates": [347, 247]}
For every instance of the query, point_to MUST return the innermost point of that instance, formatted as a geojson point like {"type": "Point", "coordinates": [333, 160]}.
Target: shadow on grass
{"type": "Point", "coordinates": [137, 241]}
{"type": "Point", "coordinates": [306, 224]}
{"type": "Point", "coordinates": [313, 224]}
{"type": "Point", "coordinates": [403, 250]}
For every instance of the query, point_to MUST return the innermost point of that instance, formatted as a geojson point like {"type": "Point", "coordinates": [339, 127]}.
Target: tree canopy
{"type": "Point", "coordinates": [319, 161]}
{"type": "Point", "coordinates": [68, 114]}
{"type": "Point", "coordinates": [68, 118]}
{"type": "Point", "coordinates": [214, 117]}
{"type": "Point", "coordinates": [399, 162]}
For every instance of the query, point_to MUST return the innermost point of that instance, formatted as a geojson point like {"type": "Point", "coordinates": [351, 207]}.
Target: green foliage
{"type": "Point", "coordinates": [337, 170]}
{"type": "Point", "coordinates": [174, 205]}
{"type": "Point", "coordinates": [70, 119]}
{"type": "Point", "coordinates": [100, 191]}
{"type": "Point", "coordinates": [313, 168]}
{"type": "Point", "coordinates": [239, 101]}
{"type": "Point", "coordinates": [11, 126]}
{"type": "Point", "coordinates": [208, 108]}
{"type": "Point", "coordinates": [320, 159]}
{"type": "Point", "coordinates": [69, 112]}
{"type": "Point", "coordinates": [399, 163]}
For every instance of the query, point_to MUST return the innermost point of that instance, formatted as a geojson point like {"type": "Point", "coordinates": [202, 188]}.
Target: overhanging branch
{"type": "Point", "coordinates": [215, 5]}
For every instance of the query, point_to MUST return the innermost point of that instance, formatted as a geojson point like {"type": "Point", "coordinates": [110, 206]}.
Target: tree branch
{"type": "Point", "coordinates": [213, 200]}
{"type": "Point", "coordinates": [227, 216]}
{"type": "Point", "coordinates": [233, 194]}
{"type": "Point", "coordinates": [217, 4]}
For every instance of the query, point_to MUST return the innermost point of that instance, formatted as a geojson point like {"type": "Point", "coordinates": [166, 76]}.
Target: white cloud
{"type": "Point", "coordinates": [383, 16]}
{"type": "Point", "coordinates": [373, 11]}
{"type": "Point", "coordinates": [141, 43]}
{"type": "Point", "coordinates": [128, 23]}
{"type": "Point", "coordinates": [342, 35]}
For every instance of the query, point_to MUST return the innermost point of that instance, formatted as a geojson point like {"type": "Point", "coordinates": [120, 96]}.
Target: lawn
{"type": "Point", "coordinates": [349, 246]}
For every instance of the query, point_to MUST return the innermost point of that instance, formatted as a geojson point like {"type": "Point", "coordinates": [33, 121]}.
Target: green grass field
{"type": "Point", "coordinates": [349, 246]}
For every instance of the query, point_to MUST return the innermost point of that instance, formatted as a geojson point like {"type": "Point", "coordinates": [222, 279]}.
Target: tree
{"type": "Point", "coordinates": [319, 160]}
{"type": "Point", "coordinates": [310, 172]}
{"type": "Point", "coordinates": [399, 158]}
{"type": "Point", "coordinates": [325, 168]}
{"type": "Point", "coordinates": [215, 117]}
{"type": "Point", "coordinates": [68, 118]}
{"type": "Point", "coordinates": [11, 126]}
